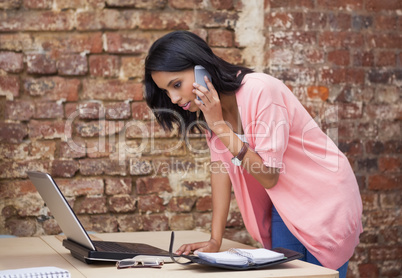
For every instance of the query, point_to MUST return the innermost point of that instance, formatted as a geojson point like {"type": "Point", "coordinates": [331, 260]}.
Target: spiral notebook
{"type": "Point", "coordinates": [242, 257]}
{"type": "Point", "coordinates": [34, 272]}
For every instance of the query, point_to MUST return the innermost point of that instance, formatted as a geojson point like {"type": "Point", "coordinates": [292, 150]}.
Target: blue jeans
{"type": "Point", "coordinates": [282, 237]}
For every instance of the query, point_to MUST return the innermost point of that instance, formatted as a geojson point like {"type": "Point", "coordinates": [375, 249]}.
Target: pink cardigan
{"type": "Point", "coordinates": [317, 195]}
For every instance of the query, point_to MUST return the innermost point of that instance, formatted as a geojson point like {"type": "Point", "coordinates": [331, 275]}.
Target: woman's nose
{"type": "Point", "coordinates": [175, 97]}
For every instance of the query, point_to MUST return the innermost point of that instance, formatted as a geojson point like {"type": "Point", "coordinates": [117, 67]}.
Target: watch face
{"type": "Point", "coordinates": [236, 161]}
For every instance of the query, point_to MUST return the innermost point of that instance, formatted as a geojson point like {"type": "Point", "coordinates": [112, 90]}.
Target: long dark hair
{"type": "Point", "coordinates": [178, 51]}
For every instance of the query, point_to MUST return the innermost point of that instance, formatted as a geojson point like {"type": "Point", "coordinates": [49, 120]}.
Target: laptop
{"type": "Point", "coordinates": [78, 241]}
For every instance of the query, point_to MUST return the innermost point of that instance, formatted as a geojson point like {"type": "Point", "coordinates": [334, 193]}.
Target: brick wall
{"type": "Point", "coordinates": [71, 105]}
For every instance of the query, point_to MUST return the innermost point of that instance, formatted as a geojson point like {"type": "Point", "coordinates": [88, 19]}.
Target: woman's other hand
{"type": "Point", "coordinates": [206, 246]}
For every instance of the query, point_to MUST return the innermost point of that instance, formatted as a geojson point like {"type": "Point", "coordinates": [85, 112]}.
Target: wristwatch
{"type": "Point", "coordinates": [239, 157]}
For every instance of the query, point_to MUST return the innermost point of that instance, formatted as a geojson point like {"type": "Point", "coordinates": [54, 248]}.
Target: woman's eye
{"type": "Point", "coordinates": [177, 85]}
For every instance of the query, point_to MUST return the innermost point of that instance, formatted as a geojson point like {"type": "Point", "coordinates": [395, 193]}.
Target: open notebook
{"type": "Point", "coordinates": [78, 241]}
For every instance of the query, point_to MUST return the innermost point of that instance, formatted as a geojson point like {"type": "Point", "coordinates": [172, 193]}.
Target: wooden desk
{"type": "Point", "coordinates": [48, 251]}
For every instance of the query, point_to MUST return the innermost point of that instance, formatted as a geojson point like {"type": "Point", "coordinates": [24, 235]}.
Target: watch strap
{"type": "Point", "coordinates": [242, 152]}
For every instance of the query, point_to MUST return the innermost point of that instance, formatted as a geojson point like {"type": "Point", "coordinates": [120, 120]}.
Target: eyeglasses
{"type": "Point", "coordinates": [133, 263]}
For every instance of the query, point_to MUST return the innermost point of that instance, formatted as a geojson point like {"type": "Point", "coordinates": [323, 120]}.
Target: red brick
{"type": "Point", "coordinates": [69, 42]}
{"type": "Point", "coordinates": [112, 90]}
{"type": "Point", "coordinates": [155, 222]}
{"type": "Point", "coordinates": [98, 128]}
{"type": "Point", "coordinates": [132, 67]}
{"type": "Point", "coordinates": [204, 204]}
{"type": "Point", "coordinates": [203, 220]}
{"type": "Point", "coordinates": [150, 4]}
{"type": "Point", "coordinates": [118, 111]}
{"type": "Point", "coordinates": [16, 42]}
{"type": "Point", "coordinates": [181, 204]}
{"type": "Point", "coordinates": [40, 64]}
{"type": "Point", "coordinates": [91, 205]}
{"type": "Point", "coordinates": [222, 4]}
{"type": "Point", "coordinates": [384, 112]}
{"type": "Point", "coordinates": [48, 110]}
{"type": "Point", "coordinates": [72, 64]}
{"type": "Point", "coordinates": [365, 59]}
{"type": "Point", "coordinates": [12, 133]}
{"type": "Point", "coordinates": [386, 22]}
{"type": "Point", "coordinates": [341, 39]}
{"type": "Point", "coordinates": [51, 227]}
{"type": "Point", "coordinates": [141, 111]}
{"type": "Point", "coordinates": [291, 3]}
{"type": "Point", "coordinates": [53, 88]}
{"type": "Point", "coordinates": [339, 57]}
{"type": "Point", "coordinates": [130, 223]}
{"type": "Point", "coordinates": [181, 222]}
{"type": "Point", "coordinates": [350, 110]}
{"type": "Point", "coordinates": [28, 21]}
{"type": "Point", "coordinates": [19, 110]}
{"type": "Point", "coordinates": [387, 253]}
{"type": "Point", "coordinates": [185, 4]}
{"type": "Point", "coordinates": [152, 185]}
{"type": "Point", "coordinates": [140, 167]}
{"type": "Point", "coordinates": [91, 111]}
{"type": "Point", "coordinates": [99, 148]}
{"type": "Point", "coordinates": [80, 187]}
{"type": "Point", "coordinates": [64, 168]}
{"type": "Point", "coordinates": [72, 149]}
{"type": "Point", "coordinates": [390, 201]}
{"type": "Point", "coordinates": [386, 59]}
{"type": "Point", "coordinates": [231, 55]}
{"type": "Point", "coordinates": [11, 62]}
{"type": "Point", "coordinates": [16, 188]}
{"type": "Point", "coordinates": [11, 4]}
{"type": "Point", "coordinates": [389, 164]}
{"type": "Point", "coordinates": [18, 169]}
{"type": "Point", "coordinates": [220, 38]}
{"type": "Point", "coordinates": [382, 182]}
{"type": "Point", "coordinates": [315, 20]}
{"type": "Point", "coordinates": [382, 40]}
{"type": "Point", "coordinates": [234, 219]}
{"type": "Point", "coordinates": [292, 37]}
{"type": "Point", "coordinates": [104, 65]}
{"type": "Point", "coordinates": [339, 21]}
{"type": "Point", "coordinates": [341, 4]}
{"type": "Point", "coordinates": [367, 130]}
{"type": "Point", "coordinates": [42, 149]}
{"type": "Point", "coordinates": [342, 75]}
{"type": "Point", "coordinates": [368, 270]}
{"type": "Point", "coordinates": [150, 20]}
{"type": "Point", "coordinates": [284, 20]}
{"type": "Point", "coordinates": [104, 223]}
{"type": "Point", "coordinates": [122, 203]}
{"type": "Point", "coordinates": [38, 4]}
{"type": "Point", "coordinates": [218, 19]}
{"type": "Point", "coordinates": [108, 19]}
{"type": "Point", "coordinates": [95, 167]}
{"type": "Point", "coordinates": [386, 5]}
{"type": "Point", "coordinates": [10, 152]}
{"type": "Point", "coordinates": [47, 129]}
{"type": "Point", "coordinates": [128, 43]}
{"type": "Point", "coordinates": [21, 227]}
{"type": "Point", "coordinates": [9, 86]}
{"type": "Point", "coordinates": [115, 186]}
{"type": "Point", "coordinates": [150, 203]}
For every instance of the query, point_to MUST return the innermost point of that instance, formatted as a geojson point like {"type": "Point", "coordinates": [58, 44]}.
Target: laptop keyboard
{"type": "Point", "coordinates": [123, 247]}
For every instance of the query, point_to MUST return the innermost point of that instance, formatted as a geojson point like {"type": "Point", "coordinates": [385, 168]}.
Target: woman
{"type": "Point", "coordinates": [293, 186]}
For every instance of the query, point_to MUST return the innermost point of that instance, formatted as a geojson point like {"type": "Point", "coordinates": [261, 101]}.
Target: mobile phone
{"type": "Point", "coordinates": [199, 73]}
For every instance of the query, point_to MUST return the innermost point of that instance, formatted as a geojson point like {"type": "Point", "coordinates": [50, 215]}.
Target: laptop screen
{"type": "Point", "coordinates": [59, 207]}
